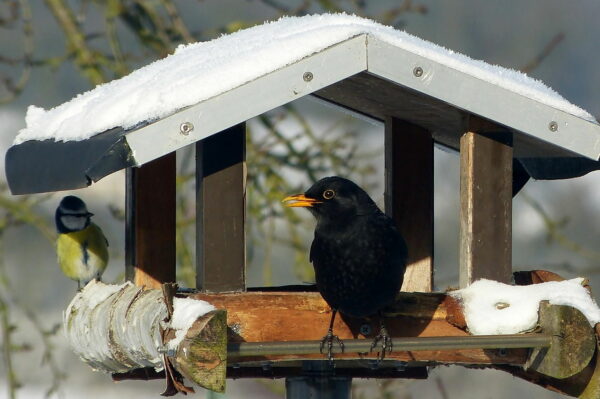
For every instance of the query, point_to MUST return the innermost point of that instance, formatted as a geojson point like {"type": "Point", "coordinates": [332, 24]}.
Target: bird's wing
{"type": "Point", "coordinates": [314, 248]}
{"type": "Point", "coordinates": [98, 241]}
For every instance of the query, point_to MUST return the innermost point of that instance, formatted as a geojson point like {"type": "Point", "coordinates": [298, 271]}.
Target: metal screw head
{"type": "Point", "coordinates": [185, 128]}
{"type": "Point", "coordinates": [502, 352]}
{"type": "Point", "coordinates": [163, 350]}
{"type": "Point", "coordinates": [418, 72]}
{"type": "Point", "coordinates": [308, 76]}
{"type": "Point", "coordinates": [365, 329]}
{"type": "Point", "coordinates": [236, 328]}
{"type": "Point", "coordinates": [553, 126]}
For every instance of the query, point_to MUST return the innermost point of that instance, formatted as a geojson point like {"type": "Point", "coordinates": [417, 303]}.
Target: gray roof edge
{"type": "Point", "coordinates": [501, 105]}
{"type": "Point", "coordinates": [36, 166]}
{"type": "Point", "coordinates": [246, 101]}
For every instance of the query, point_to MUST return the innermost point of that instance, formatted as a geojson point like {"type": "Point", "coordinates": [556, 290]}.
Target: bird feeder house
{"type": "Point", "coordinates": [505, 127]}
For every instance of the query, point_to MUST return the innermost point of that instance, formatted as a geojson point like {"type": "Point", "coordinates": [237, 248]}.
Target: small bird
{"type": "Point", "coordinates": [358, 254]}
{"type": "Point", "coordinates": [81, 246]}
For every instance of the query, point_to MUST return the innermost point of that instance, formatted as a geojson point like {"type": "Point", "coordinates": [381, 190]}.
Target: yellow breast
{"type": "Point", "coordinates": [82, 255]}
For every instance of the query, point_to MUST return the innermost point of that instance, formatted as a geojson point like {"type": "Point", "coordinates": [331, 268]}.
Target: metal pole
{"type": "Point", "coordinates": [245, 349]}
{"type": "Point", "coordinates": [318, 382]}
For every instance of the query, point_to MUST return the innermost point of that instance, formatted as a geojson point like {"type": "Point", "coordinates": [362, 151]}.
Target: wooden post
{"type": "Point", "coordinates": [486, 157]}
{"type": "Point", "coordinates": [150, 226]}
{"type": "Point", "coordinates": [409, 197]}
{"type": "Point", "coordinates": [220, 211]}
{"type": "Point", "coordinates": [317, 386]}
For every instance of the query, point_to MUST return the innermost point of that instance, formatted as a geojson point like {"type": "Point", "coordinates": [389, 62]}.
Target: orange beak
{"type": "Point", "coordinates": [300, 200]}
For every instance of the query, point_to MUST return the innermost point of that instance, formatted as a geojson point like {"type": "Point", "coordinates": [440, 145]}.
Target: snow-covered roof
{"type": "Point", "coordinates": [199, 71]}
{"type": "Point", "coordinates": [346, 60]}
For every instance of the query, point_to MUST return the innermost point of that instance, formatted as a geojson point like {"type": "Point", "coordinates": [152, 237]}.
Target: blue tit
{"type": "Point", "coordinates": [81, 247]}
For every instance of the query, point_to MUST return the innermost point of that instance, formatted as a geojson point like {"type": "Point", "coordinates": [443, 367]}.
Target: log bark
{"type": "Point", "coordinates": [117, 329]}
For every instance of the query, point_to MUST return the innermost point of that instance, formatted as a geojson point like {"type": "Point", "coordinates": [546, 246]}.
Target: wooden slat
{"type": "Point", "coordinates": [220, 210]}
{"type": "Point", "coordinates": [150, 227]}
{"type": "Point", "coordinates": [293, 316]}
{"type": "Point", "coordinates": [409, 197]}
{"type": "Point", "coordinates": [486, 203]}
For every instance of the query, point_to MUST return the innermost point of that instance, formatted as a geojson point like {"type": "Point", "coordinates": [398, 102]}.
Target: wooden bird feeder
{"type": "Point", "coordinates": [503, 138]}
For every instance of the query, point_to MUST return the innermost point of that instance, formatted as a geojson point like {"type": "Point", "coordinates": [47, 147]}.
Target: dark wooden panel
{"type": "Point", "coordinates": [220, 210]}
{"type": "Point", "coordinates": [486, 158]}
{"type": "Point", "coordinates": [378, 98]}
{"type": "Point", "coordinates": [409, 197]}
{"type": "Point", "coordinates": [150, 227]}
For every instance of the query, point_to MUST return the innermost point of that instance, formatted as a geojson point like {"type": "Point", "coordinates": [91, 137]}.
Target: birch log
{"type": "Point", "coordinates": [117, 328]}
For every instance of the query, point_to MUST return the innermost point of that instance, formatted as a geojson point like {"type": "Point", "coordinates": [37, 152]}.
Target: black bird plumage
{"type": "Point", "coordinates": [358, 254]}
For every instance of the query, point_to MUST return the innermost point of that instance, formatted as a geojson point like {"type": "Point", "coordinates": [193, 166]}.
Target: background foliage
{"type": "Point", "coordinates": [53, 49]}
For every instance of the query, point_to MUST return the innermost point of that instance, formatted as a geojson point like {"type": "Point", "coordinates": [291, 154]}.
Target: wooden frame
{"type": "Point", "coordinates": [486, 159]}
{"type": "Point", "coordinates": [220, 211]}
{"type": "Point", "coordinates": [150, 227]}
{"type": "Point", "coordinates": [409, 197]}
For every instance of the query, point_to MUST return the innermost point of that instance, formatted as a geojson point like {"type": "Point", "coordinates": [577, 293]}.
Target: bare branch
{"type": "Point", "coordinates": [546, 51]}
{"type": "Point", "coordinates": [84, 57]}
{"type": "Point", "coordinates": [177, 22]}
{"type": "Point", "coordinates": [13, 88]}
{"type": "Point", "coordinates": [554, 227]}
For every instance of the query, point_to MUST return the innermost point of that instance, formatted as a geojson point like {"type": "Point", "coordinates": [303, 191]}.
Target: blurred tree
{"type": "Point", "coordinates": [158, 27]}
{"type": "Point", "coordinates": [107, 39]}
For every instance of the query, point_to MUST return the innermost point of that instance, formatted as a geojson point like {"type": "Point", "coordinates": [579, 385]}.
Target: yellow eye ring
{"type": "Point", "coordinates": [328, 194]}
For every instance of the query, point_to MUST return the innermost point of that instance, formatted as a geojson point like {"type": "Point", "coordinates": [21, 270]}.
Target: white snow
{"type": "Point", "coordinates": [96, 292]}
{"type": "Point", "coordinates": [185, 312]}
{"type": "Point", "coordinates": [199, 71]}
{"type": "Point", "coordinates": [484, 304]}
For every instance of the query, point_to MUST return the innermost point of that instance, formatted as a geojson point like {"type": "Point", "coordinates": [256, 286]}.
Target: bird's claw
{"type": "Point", "coordinates": [386, 344]}
{"type": "Point", "coordinates": [328, 339]}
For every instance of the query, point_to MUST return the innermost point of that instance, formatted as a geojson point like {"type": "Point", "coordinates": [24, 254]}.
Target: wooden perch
{"type": "Point", "coordinates": [273, 334]}
{"type": "Point", "coordinates": [265, 317]}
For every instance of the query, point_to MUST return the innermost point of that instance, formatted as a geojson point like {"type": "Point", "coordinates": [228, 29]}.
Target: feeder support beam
{"type": "Point", "coordinates": [409, 197]}
{"type": "Point", "coordinates": [220, 211]}
{"type": "Point", "coordinates": [150, 227]}
{"type": "Point", "coordinates": [486, 157]}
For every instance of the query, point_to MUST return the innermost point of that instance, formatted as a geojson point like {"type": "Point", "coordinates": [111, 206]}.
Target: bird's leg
{"type": "Point", "coordinates": [386, 341]}
{"type": "Point", "coordinates": [329, 338]}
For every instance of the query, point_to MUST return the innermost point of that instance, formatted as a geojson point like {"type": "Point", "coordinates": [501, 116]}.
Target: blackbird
{"type": "Point", "coordinates": [358, 254]}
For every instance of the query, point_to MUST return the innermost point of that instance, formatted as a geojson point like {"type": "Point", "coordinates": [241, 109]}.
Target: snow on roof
{"type": "Point", "coordinates": [199, 71]}
{"type": "Point", "coordinates": [491, 307]}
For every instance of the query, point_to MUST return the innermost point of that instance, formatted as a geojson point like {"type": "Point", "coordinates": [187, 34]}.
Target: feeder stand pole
{"type": "Point", "coordinates": [318, 382]}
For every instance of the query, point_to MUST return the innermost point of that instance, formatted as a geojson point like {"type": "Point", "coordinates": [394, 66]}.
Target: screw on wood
{"type": "Point", "coordinates": [308, 76]}
{"type": "Point", "coordinates": [418, 72]}
{"type": "Point", "coordinates": [185, 128]}
{"type": "Point", "coordinates": [553, 126]}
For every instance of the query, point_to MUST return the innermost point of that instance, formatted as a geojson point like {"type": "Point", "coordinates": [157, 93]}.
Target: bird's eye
{"type": "Point", "coordinates": [328, 194]}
